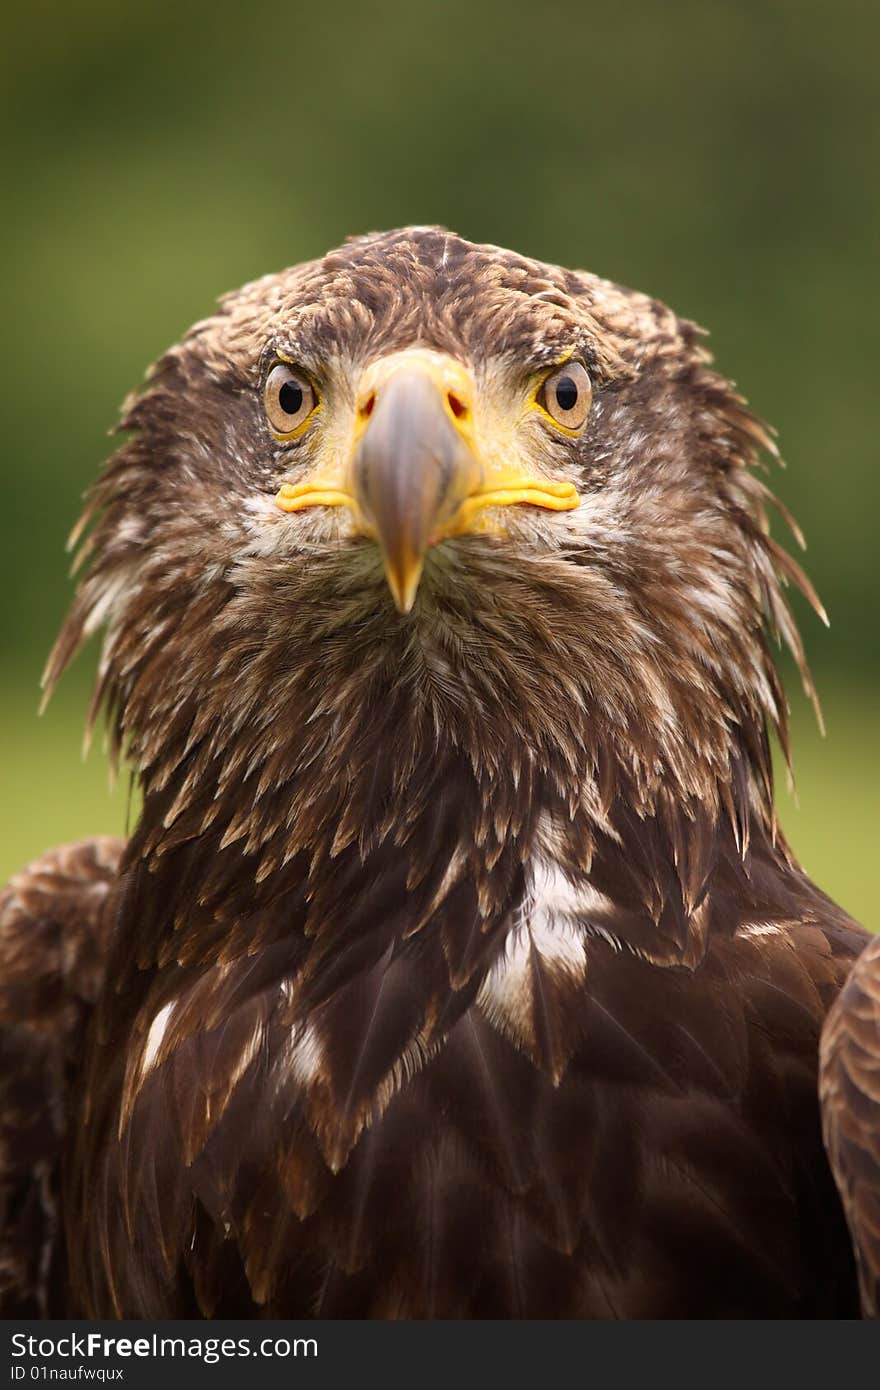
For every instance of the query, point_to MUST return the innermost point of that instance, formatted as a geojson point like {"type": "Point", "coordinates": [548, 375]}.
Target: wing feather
{"type": "Point", "coordinates": [55, 926]}
{"type": "Point", "coordinates": [850, 1094]}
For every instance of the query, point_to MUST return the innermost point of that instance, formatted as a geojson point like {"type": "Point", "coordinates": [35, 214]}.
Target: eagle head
{"type": "Point", "coordinates": [420, 503]}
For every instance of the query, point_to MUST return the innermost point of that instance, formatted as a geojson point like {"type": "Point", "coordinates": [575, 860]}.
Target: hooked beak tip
{"type": "Point", "coordinates": [403, 581]}
{"type": "Point", "coordinates": [411, 469]}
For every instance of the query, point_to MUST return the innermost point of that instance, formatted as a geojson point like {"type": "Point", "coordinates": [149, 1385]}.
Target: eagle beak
{"type": "Point", "coordinates": [412, 470]}
{"type": "Point", "coordinates": [415, 475]}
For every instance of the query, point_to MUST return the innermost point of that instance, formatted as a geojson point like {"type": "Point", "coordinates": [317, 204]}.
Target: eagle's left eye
{"type": "Point", "coordinates": [566, 395]}
{"type": "Point", "coordinates": [288, 398]}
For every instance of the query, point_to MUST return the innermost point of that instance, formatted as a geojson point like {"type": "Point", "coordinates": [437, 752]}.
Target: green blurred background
{"type": "Point", "coordinates": [721, 156]}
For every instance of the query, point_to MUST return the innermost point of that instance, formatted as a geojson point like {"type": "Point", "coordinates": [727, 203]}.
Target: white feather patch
{"type": "Point", "coordinates": [305, 1055]}
{"type": "Point", "coordinates": [154, 1038]}
{"type": "Point", "coordinates": [552, 925]}
{"type": "Point", "coordinates": [760, 929]}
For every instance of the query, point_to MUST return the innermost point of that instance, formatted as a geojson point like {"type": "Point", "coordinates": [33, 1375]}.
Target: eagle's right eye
{"type": "Point", "coordinates": [289, 399]}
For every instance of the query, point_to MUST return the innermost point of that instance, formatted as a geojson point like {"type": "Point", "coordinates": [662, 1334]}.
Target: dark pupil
{"type": "Point", "coordinates": [566, 393]}
{"type": "Point", "coordinates": [290, 398]}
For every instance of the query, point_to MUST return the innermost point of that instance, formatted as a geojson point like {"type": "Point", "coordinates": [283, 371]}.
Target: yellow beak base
{"type": "Point", "coordinates": [414, 477]}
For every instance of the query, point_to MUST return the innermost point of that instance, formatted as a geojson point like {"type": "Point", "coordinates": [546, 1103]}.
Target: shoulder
{"type": "Point", "coordinates": [54, 926]}
{"type": "Point", "coordinates": [849, 1087]}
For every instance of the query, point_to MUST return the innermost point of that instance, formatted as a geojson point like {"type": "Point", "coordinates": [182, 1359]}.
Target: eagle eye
{"type": "Point", "coordinates": [566, 394]}
{"type": "Point", "coordinates": [288, 398]}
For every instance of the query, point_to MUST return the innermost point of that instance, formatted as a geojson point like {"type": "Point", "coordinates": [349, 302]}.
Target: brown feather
{"type": "Point", "coordinates": [55, 924]}
{"type": "Point", "coordinates": [850, 1091]}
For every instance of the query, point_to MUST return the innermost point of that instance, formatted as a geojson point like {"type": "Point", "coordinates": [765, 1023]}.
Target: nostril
{"type": "Point", "coordinates": [367, 407]}
{"type": "Point", "coordinates": [456, 405]}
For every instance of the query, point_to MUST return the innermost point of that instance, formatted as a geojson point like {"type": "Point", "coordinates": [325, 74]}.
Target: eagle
{"type": "Point", "coordinates": [457, 966]}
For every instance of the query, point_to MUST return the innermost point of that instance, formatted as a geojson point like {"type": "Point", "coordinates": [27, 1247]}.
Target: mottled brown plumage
{"type": "Point", "coordinates": [54, 939]}
{"type": "Point", "coordinates": [850, 1091]}
{"type": "Point", "coordinates": [459, 967]}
